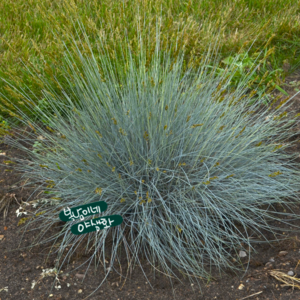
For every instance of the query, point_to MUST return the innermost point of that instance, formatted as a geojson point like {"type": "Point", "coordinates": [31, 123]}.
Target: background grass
{"type": "Point", "coordinates": [34, 32]}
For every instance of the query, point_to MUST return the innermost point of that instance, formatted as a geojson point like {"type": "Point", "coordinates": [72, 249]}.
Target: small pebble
{"type": "Point", "coordinates": [290, 273]}
{"type": "Point", "coordinates": [241, 286]}
{"type": "Point", "coordinates": [282, 253]}
{"type": "Point", "coordinates": [80, 291]}
{"type": "Point", "coordinates": [242, 254]}
{"type": "Point", "coordinates": [272, 259]}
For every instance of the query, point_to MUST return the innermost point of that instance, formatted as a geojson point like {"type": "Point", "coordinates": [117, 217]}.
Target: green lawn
{"type": "Point", "coordinates": [34, 31]}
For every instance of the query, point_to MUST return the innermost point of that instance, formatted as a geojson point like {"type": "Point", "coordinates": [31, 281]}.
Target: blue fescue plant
{"type": "Point", "coordinates": [193, 168]}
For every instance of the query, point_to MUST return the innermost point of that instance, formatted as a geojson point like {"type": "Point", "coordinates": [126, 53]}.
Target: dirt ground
{"type": "Point", "coordinates": [20, 268]}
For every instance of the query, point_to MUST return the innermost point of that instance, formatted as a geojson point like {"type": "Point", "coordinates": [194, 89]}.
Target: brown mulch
{"type": "Point", "coordinates": [266, 277]}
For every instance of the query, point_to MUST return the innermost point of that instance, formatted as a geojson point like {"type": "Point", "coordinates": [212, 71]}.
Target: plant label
{"type": "Point", "coordinates": [71, 214]}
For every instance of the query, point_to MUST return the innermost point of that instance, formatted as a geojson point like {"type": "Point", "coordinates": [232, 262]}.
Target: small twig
{"type": "Point", "coordinates": [297, 265]}
{"type": "Point", "coordinates": [14, 195]}
{"type": "Point", "coordinates": [24, 184]}
{"type": "Point", "coordinates": [253, 275]}
{"type": "Point", "coordinates": [251, 295]}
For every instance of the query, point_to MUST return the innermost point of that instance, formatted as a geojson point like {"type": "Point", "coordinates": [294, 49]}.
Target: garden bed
{"type": "Point", "coordinates": [21, 269]}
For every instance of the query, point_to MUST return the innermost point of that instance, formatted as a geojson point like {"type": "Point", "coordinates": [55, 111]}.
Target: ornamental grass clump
{"type": "Point", "coordinates": [194, 168]}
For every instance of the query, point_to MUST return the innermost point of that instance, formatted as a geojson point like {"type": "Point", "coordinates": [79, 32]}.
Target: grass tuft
{"type": "Point", "coordinates": [193, 170]}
